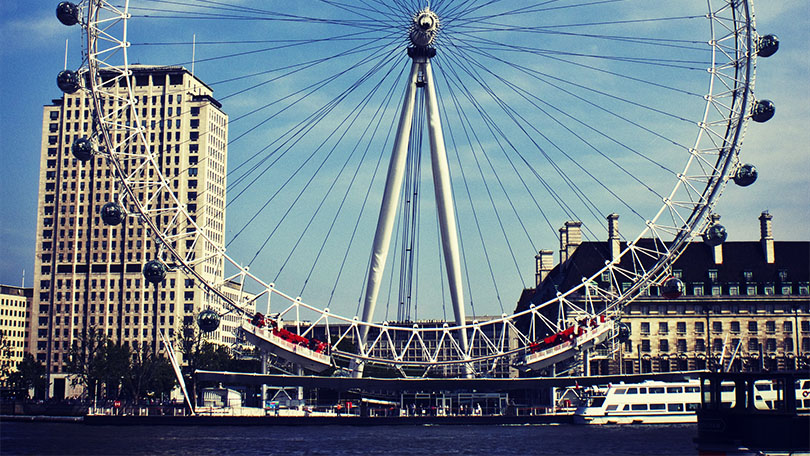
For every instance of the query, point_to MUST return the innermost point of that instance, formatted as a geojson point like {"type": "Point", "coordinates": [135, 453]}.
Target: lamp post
{"type": "Point", "coordinates": [708, 346]}
{"type": "Point", "coordinates": [796, 352]}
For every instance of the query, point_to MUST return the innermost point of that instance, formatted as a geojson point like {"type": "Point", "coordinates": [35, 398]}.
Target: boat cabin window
{"type": "Point", "coordinates": [692, 389]}
{"type": "Point", "coordinates": [657, 390]}
{"type": "Point", "coordinates": [632, 390]}
{"type": "Point", "coordinates": [620, 390]}
{"type": "Point", "coordinates": [639, 407]}
{"type": "Point", "coordinates": [692, 407]}
{"type": "Point", "coordinates": [612, 407]}
{"type": "Point", "coordinates": [597, 402]}
{"type": "Point", "coordinates": [657, 406]}
{"type": "Point", "coordinates": [626, 407]}
{"type": "Point", "coordinates": [674, 389]}
{"type": "Point", "coordinates": [675, 407]}
{"type": "Point", "coordinates": [642, 391]}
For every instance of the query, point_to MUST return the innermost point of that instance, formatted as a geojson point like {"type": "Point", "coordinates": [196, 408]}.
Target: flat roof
{"type": "Point", "coordinates": [432, 384]}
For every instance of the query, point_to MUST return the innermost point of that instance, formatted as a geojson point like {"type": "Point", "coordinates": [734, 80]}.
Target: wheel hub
{"type": "Point", "coordinates": [425, 28]}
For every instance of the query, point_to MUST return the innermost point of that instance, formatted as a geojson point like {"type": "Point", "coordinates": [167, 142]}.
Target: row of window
{"type": "Point", "coordinates": [699, 289]}
{"type": "Point", "coordinates": [12, 312]}
{"type": "Point", "coordinates": [13, 302]}
{"type": "Point", "coordinates": [770, 345]}
{"type": "Point", "coordinates": [658, 390]}
{"type": "Point", "coordinates": [717, 327]}
{"type": "Point", "coordinates": [12, 323]}
{"type": "Point", "coordinates": [689, 407]}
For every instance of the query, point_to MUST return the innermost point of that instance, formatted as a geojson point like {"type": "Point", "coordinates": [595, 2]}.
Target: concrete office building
{"type": "Point", "coordinates": [87, 273]}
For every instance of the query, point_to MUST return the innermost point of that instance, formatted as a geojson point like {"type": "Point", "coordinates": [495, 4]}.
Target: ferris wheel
{"type": "Point", "coordinates": [527, 115]}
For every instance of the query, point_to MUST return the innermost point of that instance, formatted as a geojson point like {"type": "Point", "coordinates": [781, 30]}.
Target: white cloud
{"type": "Point", "coordinates": [32, 32]}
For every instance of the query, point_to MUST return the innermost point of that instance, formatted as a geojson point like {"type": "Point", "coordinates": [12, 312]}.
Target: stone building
{"type": "Point", "coordinates": [15, 303]}
{"type": "Point", "coordinates": [87, 273]}
{"type": "Point", "coordinates": [746, 304]}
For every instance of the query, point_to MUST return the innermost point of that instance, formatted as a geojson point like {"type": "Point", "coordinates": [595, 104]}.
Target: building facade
{"type": "Point", "coordinates": [745, 306]}
{"type": "Point", "coordinates": [87, 273]}
{"type": "Point", "coordinates": [15, 303]}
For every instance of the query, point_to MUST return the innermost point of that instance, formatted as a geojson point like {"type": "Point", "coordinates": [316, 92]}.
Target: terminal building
{"type": "Point", "coordinates": [87, 273]}
{"type": "Point", "coordinates": [745, 307]}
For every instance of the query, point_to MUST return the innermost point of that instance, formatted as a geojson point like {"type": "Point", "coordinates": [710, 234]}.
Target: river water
{"type": "Point", "coordinates": [80, 439]}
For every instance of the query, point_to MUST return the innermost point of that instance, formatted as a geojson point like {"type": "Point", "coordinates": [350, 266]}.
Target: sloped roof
{"type": "Point", "coordinates": [697, 259]}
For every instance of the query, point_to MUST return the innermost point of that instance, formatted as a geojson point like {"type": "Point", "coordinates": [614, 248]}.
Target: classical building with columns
{"type": "Point", "coordinates": [746, 304]}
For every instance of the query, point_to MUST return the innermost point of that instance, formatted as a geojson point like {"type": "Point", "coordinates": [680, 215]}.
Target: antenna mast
{"type": "Point", "coordinates": [193, 52]}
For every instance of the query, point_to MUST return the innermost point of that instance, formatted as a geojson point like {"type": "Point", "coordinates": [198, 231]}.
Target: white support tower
{"type": "Point", "coordinates": [423, 33]}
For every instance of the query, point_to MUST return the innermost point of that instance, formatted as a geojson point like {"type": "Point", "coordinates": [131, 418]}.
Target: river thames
{"type": "Point", "coordinates": [80, 439]}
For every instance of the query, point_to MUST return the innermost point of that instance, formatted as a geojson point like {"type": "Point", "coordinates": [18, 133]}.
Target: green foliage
{"type": "Point", "coordinates": [147, 374]}
{"type": "Point", "coordinates": [30, 373]}
{"type": "Point", "coordinates": [86, 362]}
{"type": "Point", "coordinates": [199, 354]}
{"type": "Point", "coordinates": [123, 372]}
{"type": "Point", "coordinates": [6, 353]}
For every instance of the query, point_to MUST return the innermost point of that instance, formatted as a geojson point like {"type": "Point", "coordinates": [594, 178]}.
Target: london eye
{"type": "Point", "coordinates": [393, 163]}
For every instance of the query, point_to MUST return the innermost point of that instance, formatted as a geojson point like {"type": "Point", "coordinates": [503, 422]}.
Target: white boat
{"type": "Point", "coordinates": [655, 402]}
{"type": "Point", "coordinates": [641, 403]}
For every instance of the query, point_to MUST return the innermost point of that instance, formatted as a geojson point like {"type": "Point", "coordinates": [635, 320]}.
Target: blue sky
{"type": "Point", "coordinates": [33, 52]}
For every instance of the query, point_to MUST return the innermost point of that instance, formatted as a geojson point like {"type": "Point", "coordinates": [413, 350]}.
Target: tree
{"type": "Point", "coordinates": [148, 374]}
{"type": "Point", "coordinates": [198, 353]}
{"type": "Point", "coordinates": [87, 361]}
{"type": "Point", "coordinates": [163, 379]}
{"type": "Point", "coordinates": [6, 353]}
{"type": "Point", "coordinates": [30, 374]}
{"type": "Point", "coordinates": [114, 360]}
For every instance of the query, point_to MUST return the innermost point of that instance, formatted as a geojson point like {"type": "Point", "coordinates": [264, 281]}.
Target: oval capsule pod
{"type": "Point", "coordinates": [112, 214]}
{"type": "Point", "coordinates": [745, 175]}
{"type": "Point", "coordinates": [208, 320]}
{"type": "Point", "coordinates": [715, 235]}
{"type": "Point", "coordinates": [154, 271]}
{"type": "Point", "coordinates": [764, 110]}
{"type": "Point", "coordinates": [68, 81]}
{"type": "Point", "coordinates": [67, 13]}
{"type": "Point", "coordinates": [768, 45]}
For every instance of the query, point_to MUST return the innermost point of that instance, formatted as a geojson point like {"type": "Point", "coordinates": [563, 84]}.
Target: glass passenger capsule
{"type": "Point", "coordinates": [768, 45]}
{"type": "Point", "coordinates": [208, 320]}
{"type": "Point", "coordinates": [112, 214]}
{"type": "Point", "coordinates": [745, 175]}
{"type": "Point", "coordinates": [67, 13]}
{"type": "Point", "coordinates": [83, 149]}
{"type": "Point", "coordinates": [154, 271]}
{"type": "Point", "coordinates": [68, 81]}
{"type": "Point", "coordinates": [715, 235]}
{"type": "Point", "coordinates": [763, 111]}
{"type": "Point", "coordinates": [672, 288]}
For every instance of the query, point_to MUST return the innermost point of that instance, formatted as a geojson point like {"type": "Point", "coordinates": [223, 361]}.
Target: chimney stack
{"type": "Point", "coordinates": [574, 236]}
{"type": "Point", "coordinates": [545, 262]}
{"type": "Point", "coordinates": [766, 236]}
{"type": "Point", "coordinates": [570, 239]}
{"type": "Point", "coordinates": [613, 236]}
{"type": "Point", "coordinates": [717, 251]}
